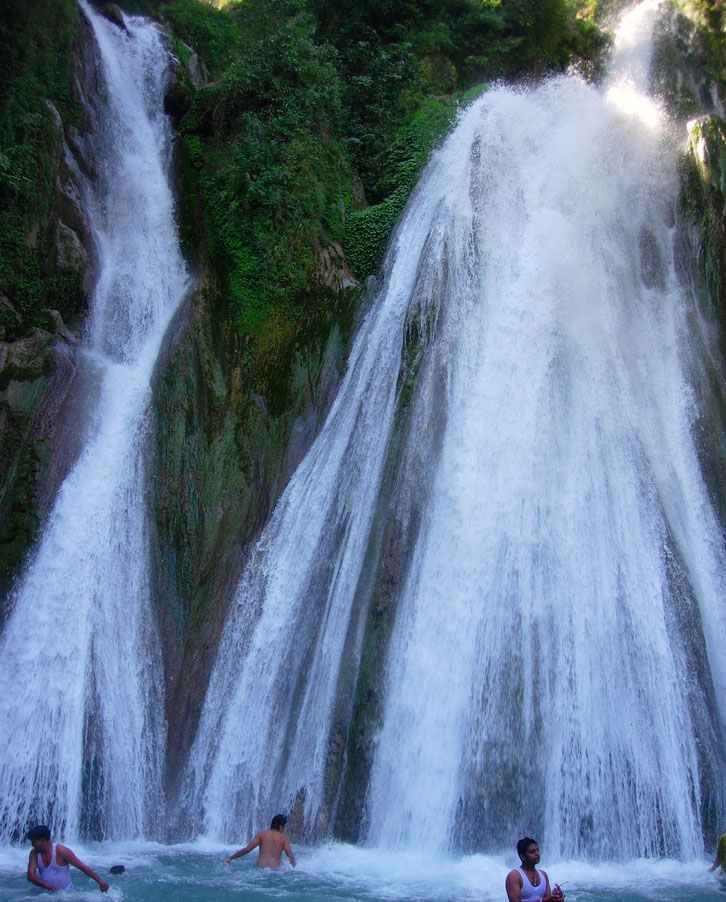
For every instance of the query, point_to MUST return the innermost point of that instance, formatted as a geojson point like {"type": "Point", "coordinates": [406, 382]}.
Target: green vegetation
{"type": "Point", "coordinates": [317, 109]}
{"type": "Point", "coordinates": [367, 231]}
{"type": "Point", "coordinates": [263, 143]}
{"type": "Point", "coordinates": [313, 127]}
{"type": "Point", "coordinates": [710, 19]}
{"type": "Point", "coordinates": [35, 67]}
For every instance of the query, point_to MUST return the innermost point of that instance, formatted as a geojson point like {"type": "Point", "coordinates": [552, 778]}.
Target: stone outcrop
{"type": "Point", "coordinates": [704, 200]}
{"type": "Point", "coordinates": [37, 363]}
{"type": "Point", "coordinates": [690, 71]}
{"type": "Point", "coordinates": [226, 439]}
{"type": "Point", "coordinates": [683, 70]}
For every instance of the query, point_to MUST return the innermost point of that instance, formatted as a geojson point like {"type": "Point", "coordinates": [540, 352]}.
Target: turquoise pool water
{"type": "Point", "coordinates": [342, 873]}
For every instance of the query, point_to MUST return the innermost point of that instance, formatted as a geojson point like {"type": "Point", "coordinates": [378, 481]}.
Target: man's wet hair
{"type": "Point", "coordinates": [524, 843]}
{"type": "Point", "coordinates": [39, 832]}
{"type": "Point", "coordinates": [279, 820]}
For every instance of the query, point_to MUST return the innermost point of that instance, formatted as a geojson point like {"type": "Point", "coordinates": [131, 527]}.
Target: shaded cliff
{"type": "Point", "coordinates": [225, 441]}
{"type": "Point", "coordinates": [46, 264]}
{"type": "Point", "coordinates": [690, 74]}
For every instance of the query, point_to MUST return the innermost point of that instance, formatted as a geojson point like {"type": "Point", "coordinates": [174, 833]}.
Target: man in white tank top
{"type": "Point", "coordinates": [527, 883]}
{"type": "Point", "coordinates": [49, 864]}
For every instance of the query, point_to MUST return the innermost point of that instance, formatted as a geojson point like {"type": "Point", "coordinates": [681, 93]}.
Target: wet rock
{"type": "Point", "coordinates": [195, 69]}
{"type": "Point", "coordinates": [682, 70]}
{"type": "Point", "coordinates": [59, 327]}
{"type": "Point", "coordinates": [113, 13]}
{"type": "Point", "coordinates": [188, 76]}
{"type": "Point", "coordinates": [332, 268]}
{"type": "Point", "coordinates": [26, 359]}
{"type": "Point", "coordinates": [10, 321]}
{"type": "Point", "coordinates": [70, 254]}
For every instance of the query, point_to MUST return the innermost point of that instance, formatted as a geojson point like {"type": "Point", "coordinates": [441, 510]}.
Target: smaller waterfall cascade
{"type": "Point", "coordinates": [81, 711]}
{"type": "Point", "coordinates": [263, 737]}
{"type": "Point", "coordinates": [556, 665]}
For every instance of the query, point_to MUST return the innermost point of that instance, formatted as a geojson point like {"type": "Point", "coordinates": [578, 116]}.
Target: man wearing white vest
{"type": "Point", "coordinates": [527, 883]}
{"type": "Point", "coordinates": [49, 864]}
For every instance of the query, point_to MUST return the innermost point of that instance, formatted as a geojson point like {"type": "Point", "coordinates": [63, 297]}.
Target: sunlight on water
{"type": "Point", "coordinates": [626, 87]}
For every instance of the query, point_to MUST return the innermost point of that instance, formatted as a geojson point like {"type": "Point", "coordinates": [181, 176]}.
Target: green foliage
{"type": "Point", "coordinates": [307, 94]}
{"type": "Point", "coordinates": [264, 142]}
{"type": "Point", "coordinates": [368, 230]}
{"type": "Point", "coordinates": [307, 98]}
{"type": "Point", "coordinates": [395, 55]}
{"type": "Point", "coordinates": [211, 32]}
{"type": "Point", "coordinates": [35, 66]}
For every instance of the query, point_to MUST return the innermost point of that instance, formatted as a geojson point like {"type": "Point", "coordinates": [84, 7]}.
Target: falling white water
{"type": "Point", "coordinates": [548, 670]}
{"type": "Point", "coordinates": [557, 650]}
{"type": "Point", "coordinates": [81, 706]}
{"type": "Point", "coordinates": [264, 732]}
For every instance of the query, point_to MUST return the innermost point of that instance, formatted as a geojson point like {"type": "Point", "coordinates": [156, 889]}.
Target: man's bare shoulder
{"type": "Point", "coordinates": [63, 854]}
{"type": "Point", "coordinates": [275, 835]}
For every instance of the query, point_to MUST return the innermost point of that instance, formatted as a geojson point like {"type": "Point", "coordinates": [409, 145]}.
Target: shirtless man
{"type": "Point", "coordinates": [526, 883]}
{"type": "Point", "coordinates": [272, 843]}
{"type": "Point", "coordinates": [49, 863]}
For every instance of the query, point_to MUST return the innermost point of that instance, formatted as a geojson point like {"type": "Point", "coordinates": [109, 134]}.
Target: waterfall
{"type": "Point", "coordinates": [557, 661]}
{"type": "Point", "coordinates": [555, 664]}
{"type": "Point", "coordinates": [81, 713]}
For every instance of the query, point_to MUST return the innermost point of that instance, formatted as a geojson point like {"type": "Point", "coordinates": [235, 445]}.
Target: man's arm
{"type": "Point", "coordinates": [253, 845]}
{"type": "Point", "coordinates": [513, 886]}
{"type": "Point", "coordinates": [33, 873]}
{"type": "Point", "coordinates": [73, 859]}
{"type": "Point", "coordinates": [288, 851]}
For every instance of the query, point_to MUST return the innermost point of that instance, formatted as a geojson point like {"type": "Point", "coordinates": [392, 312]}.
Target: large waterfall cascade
{"type": "Point", "coordinates": [555, 665]}
{"type": "Point", "coordinates": [556, 662]}
{"type": "Point", "coordinates": [81, 712]}
{"type": "Point", "coordinates": [564, 612]}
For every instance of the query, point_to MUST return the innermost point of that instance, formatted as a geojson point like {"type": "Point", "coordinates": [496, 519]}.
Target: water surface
{"type": "Point", "coordinates": [343, 873]}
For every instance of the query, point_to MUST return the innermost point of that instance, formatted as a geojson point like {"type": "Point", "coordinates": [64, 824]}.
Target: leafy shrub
{"type": "Point", "coordinates": [35, 66]}
{"type": "Point", "coordinates": [264, 141]}
{"type": "Point", "coordinates": [368, 230]}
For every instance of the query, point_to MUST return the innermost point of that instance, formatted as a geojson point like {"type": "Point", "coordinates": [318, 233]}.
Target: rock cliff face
{"type": "Point", "coordinates": [225, 442]}
{"type": "Point", "coordinates": [690, 73]}
{"type": "Point", "coordinates": [37, 365]}
{"type": "Point", "coordinates": [704, 199]}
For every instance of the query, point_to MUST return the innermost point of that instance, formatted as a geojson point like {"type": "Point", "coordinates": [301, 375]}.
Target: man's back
{"type": "Point", "coordinates": [272, 845]}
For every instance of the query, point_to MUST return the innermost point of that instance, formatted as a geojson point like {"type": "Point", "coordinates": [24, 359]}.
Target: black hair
{"type": "Point", "coordinates": [278, 821]}
{"type": "Point", "coordinates": [524, 843]}
{"type": "Point", "coordinates": [39, 832]}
